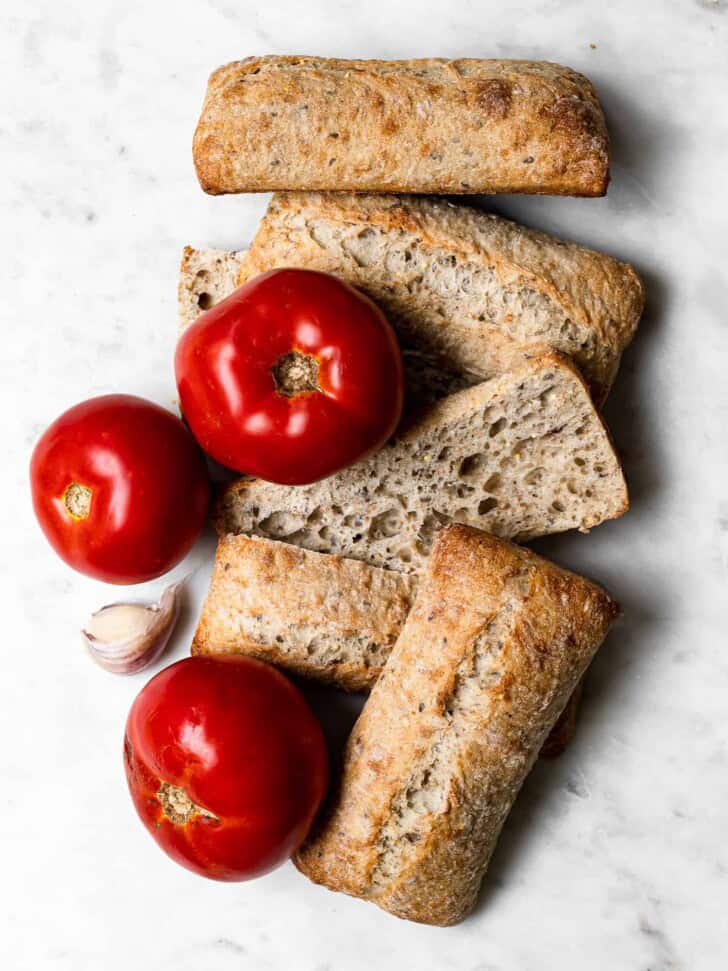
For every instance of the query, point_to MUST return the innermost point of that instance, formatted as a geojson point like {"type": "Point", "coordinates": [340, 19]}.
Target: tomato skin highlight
{"type": "Point", "coordinates": [120, 488]}
{"type": "Point", "coordinates": [227, 368]}
{"type": "Point", "coordinates": [237, 737]}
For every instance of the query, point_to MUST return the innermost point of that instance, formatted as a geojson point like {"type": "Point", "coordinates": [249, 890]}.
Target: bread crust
{"type": "Point", "coordinates": [546, 293]}
{"type": "Point", "coordinates": [428, 125]}
{"type": "Point", "coordinates": [314, 614]}
{"type": "Point", "coordinates": [496, 641]}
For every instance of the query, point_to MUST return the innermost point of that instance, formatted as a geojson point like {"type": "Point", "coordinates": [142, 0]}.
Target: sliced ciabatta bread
{"type": "Point", "coordinates": [521, 455]}
{"type": "Point", "coordinates": [469, 291]}
{"type": "Point", "coordinates": [316, 615]}
{"type": "Point", "coordinates": [495, 643]}
{"type": "Point", "coordinates": [323, 617]}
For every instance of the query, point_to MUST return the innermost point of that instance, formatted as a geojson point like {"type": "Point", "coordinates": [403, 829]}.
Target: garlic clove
{"type": "Point", "coordinates": [127, 637]}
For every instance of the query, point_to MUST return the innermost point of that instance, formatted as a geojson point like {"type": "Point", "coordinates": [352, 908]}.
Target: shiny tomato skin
{"type": "Point", "coordinates": [239, 739]}
{"type": "Point", "coordinates": [225, 365]}
{"type": "Point", "coordinates": [147, 482]}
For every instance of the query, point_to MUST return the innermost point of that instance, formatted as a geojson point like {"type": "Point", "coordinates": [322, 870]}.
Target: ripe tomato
{"type": "Point", "coordinates": [292, 377]}
{"type": "Point", "coordinates": [120, 488]}
{"type": "Point", "coordinates": [226, 765]}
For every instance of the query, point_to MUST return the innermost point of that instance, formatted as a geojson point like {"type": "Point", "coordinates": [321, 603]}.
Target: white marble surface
{"type": "Point", "coordinates": [615, 856]}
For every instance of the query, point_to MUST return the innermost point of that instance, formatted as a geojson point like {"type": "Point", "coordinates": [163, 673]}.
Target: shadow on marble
{"type": "Point", "coordinates": [632, 410]}
{"type": "Point", "coordinates": [553, 782]}
{"type": "Point", "coordinates": [337, 711]}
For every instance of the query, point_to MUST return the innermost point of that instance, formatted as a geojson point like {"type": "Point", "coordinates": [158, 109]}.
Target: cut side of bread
{"type": "Point", "coordinates": [522, 455]}
{"type": "Point", "coordinates": [472, 291]}
{"type": "Point", "coordinates": [322, 617]}
{"type": "Point", "coordinates": [495, 643]}
{"type": "Point", "coordinates": [205, 278]}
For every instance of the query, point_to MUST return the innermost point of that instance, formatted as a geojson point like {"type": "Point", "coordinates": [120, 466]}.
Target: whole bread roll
{"type": "Point", "coordinates": [430, 125]}
{"type": "Point", "coordinates": [495, 643]}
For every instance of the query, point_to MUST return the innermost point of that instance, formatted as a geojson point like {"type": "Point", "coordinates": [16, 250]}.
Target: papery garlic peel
{"type": "Point", "coordinates": [127, 637]}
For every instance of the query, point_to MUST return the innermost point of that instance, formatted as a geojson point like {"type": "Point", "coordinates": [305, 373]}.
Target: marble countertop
{"type": "Point", "coordinates": [615, 856]}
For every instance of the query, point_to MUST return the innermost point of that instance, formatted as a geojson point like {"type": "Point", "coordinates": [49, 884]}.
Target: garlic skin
{"type": "Point", "coordinates": [127, 637]}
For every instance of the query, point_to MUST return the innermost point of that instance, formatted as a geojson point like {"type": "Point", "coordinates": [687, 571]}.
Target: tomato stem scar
{"type": "Point", "coordinates": [296, 373]}
{"type": "Point", "coordinates": [177, 805]}
{"type": "Point", "coordinates": [77, 500]}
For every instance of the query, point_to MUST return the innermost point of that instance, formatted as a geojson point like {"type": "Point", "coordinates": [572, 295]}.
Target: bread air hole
{"type": "Point", "coordinates": [385, 525]}
{"type": "Point", "coordinates": [471, 465]}
{"type": "Point", "coordinates": [486, 505]}
{"type": "Point", "coordinates": [204, 300]}
{"type": "Point", "coordinates": [278, 524]}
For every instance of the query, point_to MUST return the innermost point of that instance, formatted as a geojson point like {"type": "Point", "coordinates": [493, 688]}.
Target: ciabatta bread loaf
{"type": "Point", "coordinates": [495, 643]}
{"type": "Point", "coordinates": [469, 293]}
{"type": "Point", "coordinates": [521, 455]}
{"type": "Point", "coordinates": [430, 125]}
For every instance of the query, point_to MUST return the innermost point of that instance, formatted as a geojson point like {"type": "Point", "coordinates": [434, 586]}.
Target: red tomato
{"type": "Point", "coordinates": [292, 377]}
{"type": "Point", "coordinates": [226, 765]}
{"type": "Point", "coordinates": [120, 488]}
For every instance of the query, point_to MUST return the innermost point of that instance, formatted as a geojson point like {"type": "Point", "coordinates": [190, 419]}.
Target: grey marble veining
{"type": "Point", "coordinates": [614, 856]}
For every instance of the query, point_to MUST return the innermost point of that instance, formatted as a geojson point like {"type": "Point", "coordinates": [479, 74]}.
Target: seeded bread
{"type": "Point", "coordinates": [495, 643]}
{"type": "Point", "coordinates": [429, 125]}
{"type": "Point", "coordinates": [521, 455]}
{"type": "Point", "coordinates": [468, 291]}
{"type": "Point", "coordinates": [319, 616]}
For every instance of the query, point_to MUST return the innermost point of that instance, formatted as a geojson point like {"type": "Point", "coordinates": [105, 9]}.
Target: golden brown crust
{"type": "Point", "coordinates": [496, 641]}
{"type": "Point", "coordinates": [588, 305]}
{"type": "Point", "coordinates": [320, 616]}
{"type": "Point", "coordinates": [429, 125]}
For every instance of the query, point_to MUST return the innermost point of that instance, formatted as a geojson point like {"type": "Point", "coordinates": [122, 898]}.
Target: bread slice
{"type": "Point", "coordinates": [205, 278]}
{"type": "Point", "coordinates": [322, 617]}
{"type": "Point", "coordinates": [522, 455]}
{"type": "Point", "coordinates": [426, 125]}
{"type": "Point", "coordinates": [495, 643]}
{"type": "Point", "coordinates": [471, 293]}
